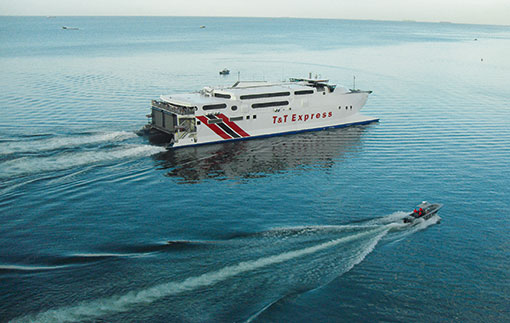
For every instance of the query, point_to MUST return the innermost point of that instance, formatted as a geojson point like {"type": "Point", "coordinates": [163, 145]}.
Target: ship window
{"type": "Point", "coordinates": [198, 123]}
{"type": "Point", "coordinates": [247, 117]}
{"type": "Point", "coordinates": [269, 104]}
{"type": "Point", "coordinates": [214, 121]}
{"type": "Point", "coordinates": [221, 95]}
{"type": "Point", "coordinates": [264, 95]}
{"type": "Point", "coordinates": [302, 92]}
{"type": "Point", "coordinates": [236, 118]}
{"type": "Point", "coordinates": [214, 106]}
{"type": "Point", "coordinates": [254, 116]}
{"type": "Point", "coordinates": [234, 107]}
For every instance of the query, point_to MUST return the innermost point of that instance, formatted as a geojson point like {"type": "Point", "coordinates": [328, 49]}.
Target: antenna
{"type": "Point", "coordinates": [238, 76]}
{"type": "Point", "coordinates": [354, 82]}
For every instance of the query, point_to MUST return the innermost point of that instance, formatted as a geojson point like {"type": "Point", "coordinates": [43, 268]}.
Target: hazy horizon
{"type": "Point", "coordinates": [491, 12]}
{"type": "Point", "coordinates": [261, 17]}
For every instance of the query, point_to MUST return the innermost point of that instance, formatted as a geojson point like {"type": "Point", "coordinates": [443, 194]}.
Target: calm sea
{"type": "Point", "coordinates": [100, 224]}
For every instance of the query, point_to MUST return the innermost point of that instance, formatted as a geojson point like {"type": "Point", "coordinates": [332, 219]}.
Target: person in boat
{"type": "Point", "coordinates": [418, 213]}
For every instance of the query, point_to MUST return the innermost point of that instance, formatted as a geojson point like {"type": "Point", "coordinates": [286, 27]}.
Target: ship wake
{"type": "Point", "coordinates": [244, 275]}
{"type": "Point", "coordinates": [26, 156]}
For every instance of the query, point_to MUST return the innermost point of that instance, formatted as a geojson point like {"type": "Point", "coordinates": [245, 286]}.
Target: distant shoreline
{"type": "Point", "coordinates": [259, 17]}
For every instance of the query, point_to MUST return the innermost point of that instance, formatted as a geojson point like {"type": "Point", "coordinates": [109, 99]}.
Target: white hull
{"type": "Point", "coordinates": [248, 114]}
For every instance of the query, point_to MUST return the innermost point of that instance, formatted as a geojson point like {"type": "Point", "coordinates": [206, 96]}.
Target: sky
{"type": "Point", "coordinates": [495, 12]}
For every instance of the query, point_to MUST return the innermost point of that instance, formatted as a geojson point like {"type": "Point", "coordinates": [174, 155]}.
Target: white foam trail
{"type": "Point", "coordinates": [63, 142]}
{"type": "Point", "coordinates": [116, 304]}
{"type": "Point", "coordinates": [104, 255]}
{"type": "Point", "coordinates": [29, 268]}
{"type": "Point", "coordinates": [390, 218]}
{"type": "Point", "coordinates": [354, 261]}
{"type": "Point", "coordinates": [262, 310]}
{"type": "Point", "coordinates": [322, 228]}
{"type": "Point", "coordinates": [30, 165]}
{"type": "Point", "coordinates": [113, 255]}
{"type": "Point", "coordinates": [410, 229]}
{"type": "Point", "coordinates": [423, 224]}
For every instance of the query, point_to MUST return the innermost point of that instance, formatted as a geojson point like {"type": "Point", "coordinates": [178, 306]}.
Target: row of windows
{"type": "Point", "coordinates": [303, 92]}
{"type": "Point", "coordinates": [275, 94]}
{"type": "Point", "coordinates": [255, 105]}
{"type": "Point", "coordinates": [240, 118]}
{"type": "Point", "coordinates": [214, 106]}
{"type": "Point", "coordinates": [269, 104]}
{"type": "Point", "coordinates": [221, 95]}
{"type": "Point", "coordinates": [263, 95]}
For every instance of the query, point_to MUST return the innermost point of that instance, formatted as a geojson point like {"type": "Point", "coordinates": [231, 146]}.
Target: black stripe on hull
{"type": "Point", "coordinates": [223, 126]}
{"type": "Point", "coordinates": [228, 130]}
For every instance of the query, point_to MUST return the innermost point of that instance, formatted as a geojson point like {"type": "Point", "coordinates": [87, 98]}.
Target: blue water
{"type": "Point", "coordinates": [98, 223]}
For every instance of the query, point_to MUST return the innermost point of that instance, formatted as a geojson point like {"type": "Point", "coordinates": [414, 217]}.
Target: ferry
{"type": "Point", "coordinates": [248, 110]}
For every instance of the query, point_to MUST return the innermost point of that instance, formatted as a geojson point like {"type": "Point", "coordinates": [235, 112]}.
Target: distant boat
{"type": "Point", "coordinates": [50, 17]}
{"type": "Point", "coordinates": [70, 28]}
{"type": "Point", "coordinates": [225, 72]}
{"type": "Point", "coordinates": [202, 27]}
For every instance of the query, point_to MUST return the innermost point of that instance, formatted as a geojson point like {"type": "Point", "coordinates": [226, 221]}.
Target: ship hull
{"type": "Point", "coordinates": [361, 120]}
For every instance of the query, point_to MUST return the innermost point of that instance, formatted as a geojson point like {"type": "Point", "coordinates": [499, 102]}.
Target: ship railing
{"type": "Point", "coordinates": [177, 109]}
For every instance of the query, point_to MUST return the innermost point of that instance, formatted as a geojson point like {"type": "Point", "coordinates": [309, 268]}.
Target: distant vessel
{"type": "Point", "coordinates": [255, 109]}
{"type": "Point", "coordinates": [202, 27]}
{"type": "Point", "coordinates": [224, 72]}
{"type": "Point", "coordinates": [70, 28]}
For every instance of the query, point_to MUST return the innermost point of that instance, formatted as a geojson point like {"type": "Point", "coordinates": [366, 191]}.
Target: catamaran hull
{"type": "Point", "coordinates": [362, 120]}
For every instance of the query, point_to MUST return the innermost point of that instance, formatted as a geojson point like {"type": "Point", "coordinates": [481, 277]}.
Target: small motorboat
{"type": "Point", "coordinates": [424, 210]}
{"type": "Point", "coordinates": [224, 72]}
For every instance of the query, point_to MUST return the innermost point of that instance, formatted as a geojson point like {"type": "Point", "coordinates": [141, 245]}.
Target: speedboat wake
{"type": "Point", "coordinates": [260, 267]}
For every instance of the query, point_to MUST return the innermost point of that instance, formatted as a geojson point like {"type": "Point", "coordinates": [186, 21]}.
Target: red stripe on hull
{"type": "Point", "coordinates": [217, 130]}
{"type": "Point", "coordinates": [232, 125]}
